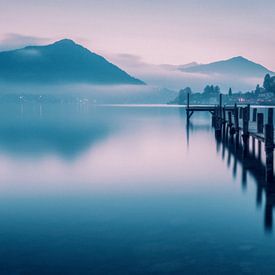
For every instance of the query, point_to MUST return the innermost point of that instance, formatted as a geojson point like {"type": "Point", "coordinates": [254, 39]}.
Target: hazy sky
{"type": "Point", "coordinates": [159, 31]}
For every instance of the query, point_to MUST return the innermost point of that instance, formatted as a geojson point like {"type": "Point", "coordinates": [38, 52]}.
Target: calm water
{"type": "Point", "coordinates": [125, 190]}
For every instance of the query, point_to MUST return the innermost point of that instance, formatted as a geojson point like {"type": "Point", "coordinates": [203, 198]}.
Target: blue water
{"type": "Point", "coordinates": [125, 190]}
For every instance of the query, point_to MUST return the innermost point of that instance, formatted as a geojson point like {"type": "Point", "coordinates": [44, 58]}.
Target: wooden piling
{"type": "Point", "coordinates": [218, 124]}
{"type": "Point", "coordinates": [241, 112]}
{"type": "Point", "coordinates": [230, 119]}
{"type": "Point", "coordinates": [269, 146]}
{"type": "Point", "coordinates": [213, 119]}
{"type": "Point", "coordinates": [187, 109]}
{"type": "Point", "coordinates": [260, 123]}
{"type": "Point", "coordinates": [259, 150]}
{"type": "Point", "coordinates": [220, 109]}
{"type": "Point", "coordinates": [245, 121]}
{"type": "Point", "coordinates": [236, 117]}
{"type": "Point", "coordinates": [245, 135]}
{"type": "Point", "coordinates": [270, 116]}
{"type": "Point", "coordinates": [223, 115]}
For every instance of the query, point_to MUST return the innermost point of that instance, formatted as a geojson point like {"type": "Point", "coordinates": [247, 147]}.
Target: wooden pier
{"type": "Point", "coordinates": [237, 121]}
{"type": "Point", "coordinates": [251, 164]}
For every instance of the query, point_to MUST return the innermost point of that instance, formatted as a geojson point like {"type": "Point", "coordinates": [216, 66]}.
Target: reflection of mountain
{"type": "Point", "coordinates": [37, 140]}
{"type": "Point", "coordinates": [63, 61]}
{"type": "Point", "coordinates": [61, 129]}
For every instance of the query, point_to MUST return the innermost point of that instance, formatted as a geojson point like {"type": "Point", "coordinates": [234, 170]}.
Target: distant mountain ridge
{"type": "Point", "coordinates": [62, 61]}
{"type": "Point", "coordinates": [233, 66]}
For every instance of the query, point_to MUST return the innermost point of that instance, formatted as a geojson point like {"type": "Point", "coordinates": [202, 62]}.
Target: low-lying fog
{"type": "Point", "coordinates": [98, 94]}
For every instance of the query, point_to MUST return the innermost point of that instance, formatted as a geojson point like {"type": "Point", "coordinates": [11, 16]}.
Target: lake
{"type": "Point", "coordinates": [126, 190]}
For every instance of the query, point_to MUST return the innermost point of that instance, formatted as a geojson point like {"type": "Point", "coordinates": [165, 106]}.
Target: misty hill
{"type": "Point", "coordinates": [178, 67]}
{"type": "Point", "coordinates": [235, 66]}
{"type": "Point", "coordinates": [60, 62]}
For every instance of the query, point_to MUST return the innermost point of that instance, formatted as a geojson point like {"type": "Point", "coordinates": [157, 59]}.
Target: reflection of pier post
{"type": "Point", "coordinates": [268, 215]}
{"type": "Point", "coordinates": [250, 159]}
{"type": "Point", "coordinates": [187, 131]}
{"type": "Point", "coordinates": [259, 195]}
{"type": "Point", "coordinates": [187, 109]}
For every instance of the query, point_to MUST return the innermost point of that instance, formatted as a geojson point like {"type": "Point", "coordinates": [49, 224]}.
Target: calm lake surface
{"type": "Point", "coordinates": [125, 190]}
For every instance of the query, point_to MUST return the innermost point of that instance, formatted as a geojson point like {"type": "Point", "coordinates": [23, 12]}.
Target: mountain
{"type": "Point", "coordinates": [239, 66]}
{"type": "Point", "coordinates": [61, 62]}
{"type": "Point", "coordinates": [187, 66]}
{"type": "Point", "coordinates": [178, 67]}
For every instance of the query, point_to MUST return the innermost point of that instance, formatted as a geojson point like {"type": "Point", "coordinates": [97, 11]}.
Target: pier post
{"type": "Point", "coordinates": [187, 107]}
{"type": "Point", "coordinates": [220, 110]}
{"type": "Point", "coordinates": [254, 115]}
{"type": "Point", "coordinates": [214, 117]}
{"type": "Point", "coordinates": [245, 135]}
{"type": "Point", "coordinates": [260, 123]}
{"type": "Point", "coordinates": [223, 115]}
{"type": "Point", "coordinates": [232, 130]}
{"type": "Point", "coordinates": [269, 146]}
{"type": "Point", "coordinates": [259, 150]}
{"type": "Point", "coordinates": [218, 124]}
{"type": "Point", "coordinates": [241, 112]}
{"type": "Point", "coordinates": [230, 119]}
{"type": "Point", "coordinates": [270, 116]}
{"type": "Point", "coordinates": [236, 117]}
{"type": "Point", "coordinates": [269, 151]}
{"type": "Point", "coordinates": [220, 100]}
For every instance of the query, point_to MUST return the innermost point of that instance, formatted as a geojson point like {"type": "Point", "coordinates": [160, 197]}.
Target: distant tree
{"type": "Point", "coordinates": [266, 83]}
{"type": "Point", "coordinates": [230, 92]}
{"type": "Point", "coordinates": [217, 90]}
{"type": "Point", "coordinates": [257, 90]}
{"type": "Point", "coordinates": [183, 94]}
{"type": "Point", "coordinates": [212, 90]}
{"type": "Point", "coordinates": [207, 90]}
{"type": "Point", "coordinates": [272, 84]}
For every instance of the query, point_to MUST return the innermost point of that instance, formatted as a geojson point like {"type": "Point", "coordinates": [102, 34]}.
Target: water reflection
{"type": "Point", "coordinates": [131, 194]}
{"type": "Point", "coordinates": [63, 130]}
{"type": "Point", "coordinates": [250, 162]}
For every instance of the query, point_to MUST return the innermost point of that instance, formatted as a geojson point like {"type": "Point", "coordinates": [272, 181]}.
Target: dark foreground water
{"type": "Point", "coordinates": [125, 190]}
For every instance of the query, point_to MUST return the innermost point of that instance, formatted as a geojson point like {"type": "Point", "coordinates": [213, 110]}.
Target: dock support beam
{"type": "Point", "coordinates": [260, 123]}
{"type": "Point", "coordinates": [241, 112]}
{"type": "Point", "coordinates": [245, 135]}
{"type": "Point", "coordinates": [236, 118]}
{"type": "Point", "coordinates": [187, 108]}
{"type": "Point", "coordinates": [218, 122]}
{"type": "Point", "coordinates": [269, 147]}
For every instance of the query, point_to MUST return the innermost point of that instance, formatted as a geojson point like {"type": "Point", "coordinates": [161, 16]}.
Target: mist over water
{"type": "Point", "coordinates": [81, 92]}
{"type": "Point", "coordinates": [89, 189]}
